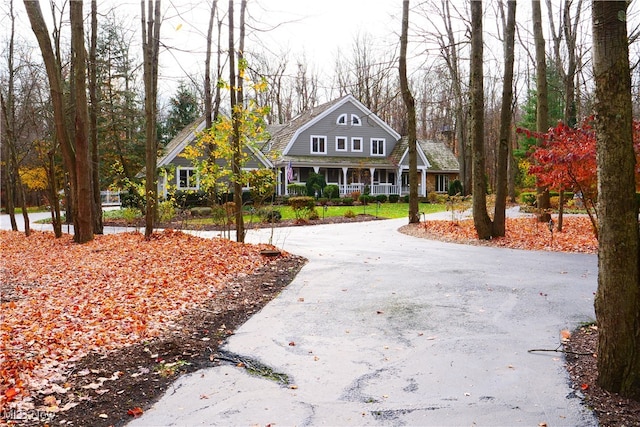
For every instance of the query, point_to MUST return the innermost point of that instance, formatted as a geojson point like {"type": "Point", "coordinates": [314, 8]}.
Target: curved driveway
{"type": "Point", "coordinates": [380, 328]}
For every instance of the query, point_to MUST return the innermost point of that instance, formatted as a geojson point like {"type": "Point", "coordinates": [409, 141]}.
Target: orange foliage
{"type": "Point", "coordinates": [63, 300]}
{"type": "Point", "coordinates": [523, 233]}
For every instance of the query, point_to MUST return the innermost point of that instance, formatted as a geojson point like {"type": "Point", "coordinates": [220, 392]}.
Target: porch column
{"type": "Point", "coordinates": [344, 180]}
{"type": "Point", "coordinates": [423, 181]}
{"type": "Point", "coordinates": [399, 180]}
{"type": "Point", "coordinates": [285, 180]}
{"type": "Point", "coordinates": [371, 171]}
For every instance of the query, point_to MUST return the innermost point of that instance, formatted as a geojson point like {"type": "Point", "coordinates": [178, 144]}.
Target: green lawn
{"type": "Point", "coordinates": [385, 210]}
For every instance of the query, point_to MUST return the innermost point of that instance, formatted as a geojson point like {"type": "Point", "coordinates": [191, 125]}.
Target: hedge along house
{"type": "Point", "coordinates": [341, 140]}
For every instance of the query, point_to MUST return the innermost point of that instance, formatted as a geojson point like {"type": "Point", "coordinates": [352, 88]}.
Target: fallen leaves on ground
{"type": "Point", "coordinates": [62, 301]}
{"type": "Point", "coordinates": [521, 233]}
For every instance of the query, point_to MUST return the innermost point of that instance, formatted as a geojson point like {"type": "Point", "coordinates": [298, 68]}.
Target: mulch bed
{"type": "Point", "coordinates": [610, 409]}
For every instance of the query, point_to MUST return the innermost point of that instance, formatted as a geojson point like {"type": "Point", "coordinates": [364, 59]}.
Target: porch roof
{"type": "Point", "coordinates": [337, 162]}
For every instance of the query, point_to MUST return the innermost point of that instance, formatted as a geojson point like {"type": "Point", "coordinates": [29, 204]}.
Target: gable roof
{"type": "Point", "coordinates": [434, 154]}
{"type": "Point", "coordinates": [283, 136]}
{"type": "Point", "coordinates": [187, 135]}
{"type": "Point", "coordinates": [440, 157]}
{"type": "Point", "coordinates": [181, 140]}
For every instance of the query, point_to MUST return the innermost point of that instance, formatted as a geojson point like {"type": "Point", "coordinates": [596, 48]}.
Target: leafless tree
{"type": "Point", "coordinates": [498, 225]}
{"type": "Point", "coordinates": [151, 21]}
{"type": "Point", "coordinates": [542, 97]}
{"type": "Point", "coordinates": [82, 197]}
{"type": "Point", "coordinates": [414, 214]}
{"type": "Point", "coordinates": [481, 219]}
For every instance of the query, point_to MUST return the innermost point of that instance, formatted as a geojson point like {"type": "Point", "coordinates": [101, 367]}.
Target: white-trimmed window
{"type": "Point", "coordinates": [355, 120]}
{"type": "Point", "coordinates": [187, 178]}
{"type": "Point", "coordinates": [342, 119]}
{"type": "Point", "coordinates": [318, 144]}
{"type": "Point", "coordinates": [377, 147]}
{"type": "Point", "coordinates": [356, 144]}
{"type": "Point", "coordinates": [341, 143]}
{"type": "Point", "coordinates": [442, 183]}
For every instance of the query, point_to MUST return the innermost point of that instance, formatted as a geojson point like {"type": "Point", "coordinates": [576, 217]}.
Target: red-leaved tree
{"type": "Point", "coordinates": [566, 160]}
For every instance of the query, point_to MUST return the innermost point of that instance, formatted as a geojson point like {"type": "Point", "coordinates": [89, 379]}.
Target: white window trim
{"type": "Point", "coordinates": [384, 147]}
{"type": "Point", "coordinates": [346, 143]}
{"type": "Point", "coordinates": [343, 117]}
{"type": "Point", "coordinates": [361, 144]}
{"type": "Point", "coordinates": [311, 144]}
{"type": "Point", "coordinates": [195, 172]}
{"type": "Point", "coordinates": [355, 117]}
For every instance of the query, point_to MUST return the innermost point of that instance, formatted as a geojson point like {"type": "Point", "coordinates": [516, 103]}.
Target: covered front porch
{"type": "Point", "coordinates": [349, 180]}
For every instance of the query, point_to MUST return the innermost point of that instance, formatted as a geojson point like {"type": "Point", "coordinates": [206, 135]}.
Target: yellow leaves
{"type": "Point", "coordinates": [34, 178]}
{"type": "Point", "coordinates": [112, 292]}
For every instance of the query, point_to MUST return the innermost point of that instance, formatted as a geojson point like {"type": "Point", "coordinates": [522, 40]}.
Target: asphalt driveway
{"type": "Point", "coordinates": [380, 328]}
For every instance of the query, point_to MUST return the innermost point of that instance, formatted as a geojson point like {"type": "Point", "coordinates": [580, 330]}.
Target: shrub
{"type": "Point", "coordinates": [355, 195]}
{"type": "Point", "coordinates": [528, 199]}
{"type": "Point", "coordinates": [349, 214]}
{"type": "Point", "coordinates": [336, 202]}
{"type": "Point", "coordinates": [132, 199]}
{"type": "Point", "coordinates": [302, 206]}
{"type": "Point", "coordinates": [331, 191]}
{"type": "Point", "coordinates": [347, 201]}
{"type": "Point", "coordinates": [366, 199]}
{"type": "Point", "coordinates": [405, 198]}
{"type": "Point", "coordinates": [315, 184]}
{"type": "Point", "coordinates": [270, 215]}
{"type": "Point", "coordinates": [166, 211]}
{"type": "Point", "coordinates": [432, 197]}
{"type": "Point", "coordinates": [394, 198]}
{"type": "Point", "coordinates": [131, 214]}
{"type": "Point", "coordinates": [313, 214]}
{"type": "Point", "coordinates": [382, 198]}
{"type": "Point", "coordinates": [201, 211]}
{"type": "Point", "coordinates": [455, 187]}
{"type": "Point", "coordinates": [191, 198]}
{"type": "Point", "coordinates": [323, 201]}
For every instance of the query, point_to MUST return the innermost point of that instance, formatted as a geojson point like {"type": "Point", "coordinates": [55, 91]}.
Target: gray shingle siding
{"type": "Point", "coordinates": [330, 129]}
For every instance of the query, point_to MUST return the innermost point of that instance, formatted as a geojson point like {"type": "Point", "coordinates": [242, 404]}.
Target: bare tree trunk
{"type": "Point", "coordinates": [56, 219]}
{"type": "Point", "coordinates": [53, 68]}
{"type": "Point", "coordinates": [84, 222]}
{"type": "Point", "coordinates": [617, 301]}
{"type": "Point", "coordinates": [235, 119]}
{"type": "Point", "coordinates": [12, 161]}
{"type": "Point", "coordinates": [542, 98]}
{"type": "Point", "coordinates": [498, 226]}
{"type": "Point", "coordinates": [208, 101]}
{"type": "Point", "coordinates": [481, 219]}
{"type": "Point", "coordinates": [7, 179]}
{"type": "Point", "coordinates": [150, 48]}
{"type": "Point", "coordinates": [410, 103]}
{"type": "Point", "coordinates": [450, 50]}
{"type": "Point", "coordinates": [8, 110]}
{"type": "Point", "coordinates": [93, 121]}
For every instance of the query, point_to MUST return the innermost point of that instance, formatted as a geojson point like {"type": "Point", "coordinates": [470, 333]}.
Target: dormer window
{"type": "Point", "coordinates": [355, 120]}
{"type": "Point", "coordinates": [342, 119]}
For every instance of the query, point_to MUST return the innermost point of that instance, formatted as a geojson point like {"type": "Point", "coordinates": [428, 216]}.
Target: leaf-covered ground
{"type": "Point", "coordinates": [63, 303]}
{"type": "Point", "coordinates": [521, 233]}
{"type": "Point", "coordinates": [93, 334]}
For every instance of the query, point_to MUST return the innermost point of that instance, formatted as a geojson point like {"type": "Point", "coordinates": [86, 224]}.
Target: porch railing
{"type": "Point", "coordinates": [374, 190]}
{"type": "Point", "coordinates": [110, 198]}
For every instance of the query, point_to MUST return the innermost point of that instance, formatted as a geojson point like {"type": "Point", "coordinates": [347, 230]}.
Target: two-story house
{"type": "Point", "coordinates": [341, 140]}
